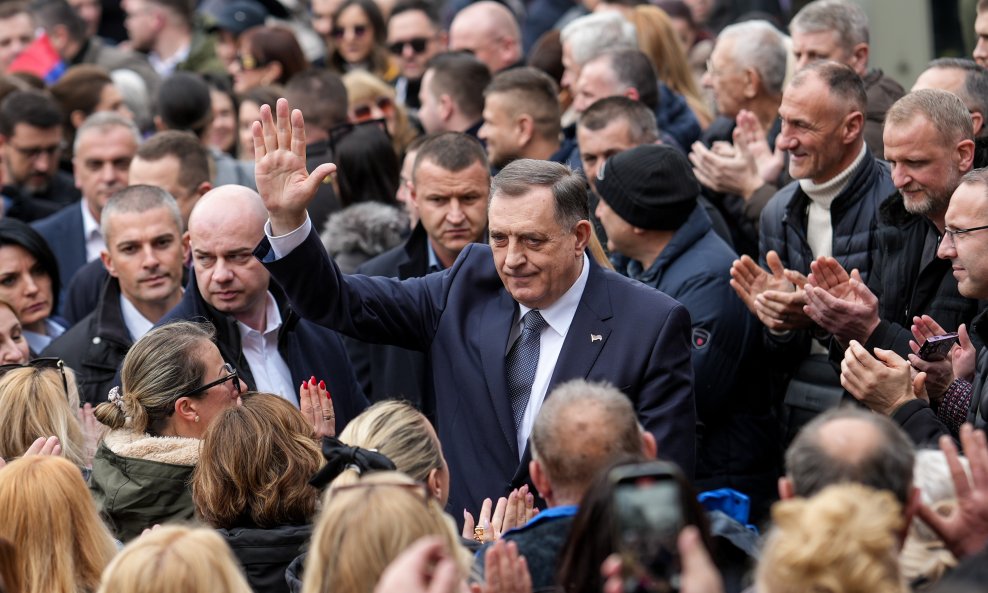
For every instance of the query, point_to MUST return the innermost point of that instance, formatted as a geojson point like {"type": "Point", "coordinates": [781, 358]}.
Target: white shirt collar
{"type": "Point", "coordinates": [272, 317]}
{"type": "Point", "coordinates": [560, 314]}
{"type": "Point", "coordinates": [90, 226]}
{"type": "Point", "coordinates": [137, 324]}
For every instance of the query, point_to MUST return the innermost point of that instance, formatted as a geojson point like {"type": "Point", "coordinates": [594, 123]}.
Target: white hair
{"type": "Point", "coordinates": [593, 34]}
{"type": "Point", "coordinates": [759, 46]}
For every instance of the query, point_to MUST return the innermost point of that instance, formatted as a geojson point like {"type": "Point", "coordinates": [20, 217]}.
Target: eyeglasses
{"type": "Point", "coordinates": [341, 131]}
{"type": "Point", "coordinates": [420, 488]}
{"type": "Point", "coordinates": [231, 374]}
{"type": "Point", "coordinates": [952, 233]}
{"type": "Point", "coordinates": [33, 152]}
{"type": "Point", "coordinates": [364, 111]}
{"type": "Point", "coordinates": [40, 363]}
{"type": "Point", "coordinates": [418, 45]}
{"type": "Point", "coordinates": [340, 32]}
{"type": "Point", "coordinates": [246, 62]}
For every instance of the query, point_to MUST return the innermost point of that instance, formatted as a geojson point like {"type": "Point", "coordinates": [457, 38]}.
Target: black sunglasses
{"type": "Point", "coordinates": [418, 45]}
{"type": "Point", "coordinates": [40, 363]}
{"type": "Point", "coordinates": [231, 374]}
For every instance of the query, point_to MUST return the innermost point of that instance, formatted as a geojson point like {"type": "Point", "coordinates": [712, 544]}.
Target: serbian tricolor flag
{"type": "Point", "coordinates": [40, 59]}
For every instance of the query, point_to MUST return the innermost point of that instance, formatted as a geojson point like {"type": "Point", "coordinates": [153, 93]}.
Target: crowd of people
{"type": "Point", "coordinates": [361, 296]}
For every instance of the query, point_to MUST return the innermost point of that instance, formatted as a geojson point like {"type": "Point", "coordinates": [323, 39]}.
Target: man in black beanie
{"type": "Point", "coordinates": [649, 209]}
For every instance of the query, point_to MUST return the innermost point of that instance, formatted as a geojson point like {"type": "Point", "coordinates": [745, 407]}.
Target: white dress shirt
{"type": "Point", "coordinates": [91, 232]}
{"type": "Point", "coordinates": [271, 373]}
{"type": "Point", "coordinates": [559, 316]}
{"type": "Point", "coordinates": [137, 324]}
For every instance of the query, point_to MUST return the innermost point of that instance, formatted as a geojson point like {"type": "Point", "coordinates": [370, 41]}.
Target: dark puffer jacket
{"type": "Point", "coordinates": [266, 553]}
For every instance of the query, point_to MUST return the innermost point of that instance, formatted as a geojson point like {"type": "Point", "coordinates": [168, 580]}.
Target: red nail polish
{"type": "Point", "coordinates": [322, 385]}
{"type": "Point", "coordinates": [302, 386]}
{"type": "Point", "coordinates": [329, 396]}
{"type": "Point", "coordinates": [312, 380]}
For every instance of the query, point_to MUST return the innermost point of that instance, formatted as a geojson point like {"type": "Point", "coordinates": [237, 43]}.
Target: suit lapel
{"type": "Point", "coordinates": [496, 321]}
{"type": "Point", "coordinates": [587, 333]}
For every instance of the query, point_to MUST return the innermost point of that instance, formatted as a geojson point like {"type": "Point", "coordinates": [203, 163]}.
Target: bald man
{"type": "Point", "coordinates": [256, 330]}
{"type": "Point", "coordinates": [489, 31]}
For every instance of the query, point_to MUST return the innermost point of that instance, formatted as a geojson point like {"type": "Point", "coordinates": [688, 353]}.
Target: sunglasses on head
{"type": "Point", "coordinates": [358, 31]}
{"type": "Point", "coordinates": [363, 112]}
{"type": "Point", "coordinates": [40, 363]}
{"type": "Point", "coordinates": [418, 45]}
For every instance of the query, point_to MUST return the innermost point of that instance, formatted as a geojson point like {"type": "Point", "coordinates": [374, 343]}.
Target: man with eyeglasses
{"type": "Point", "coordinates": [886, 382]}
{"type": "Point", "coordinates": [929, 143]}
{"type": "Point", "coordinates": [104, 146]}
{"type": "Point", "coordinates": [415, 35]}
{"type": "Point", "coordinates": [31, 143]}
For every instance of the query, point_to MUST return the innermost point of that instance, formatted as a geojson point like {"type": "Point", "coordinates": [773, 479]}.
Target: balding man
{"type": "Point", "coordinates": [966, 79]}
{"type": "Point", "coordinates": [838, 30]}
{"type": "Point", "coordinates": [563, 468]}
{"type": "Point", "coordinates": [256, 330]}
{"type": "Point", "coordinates": [488, 30]}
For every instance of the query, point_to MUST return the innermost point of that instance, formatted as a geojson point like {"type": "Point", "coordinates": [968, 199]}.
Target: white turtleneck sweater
{"type": "Point", "coordinates": [819, 227]}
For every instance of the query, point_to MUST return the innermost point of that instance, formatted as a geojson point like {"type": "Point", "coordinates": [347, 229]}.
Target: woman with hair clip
{"type": "Point", "coordinates": [252, 485]}
{"type": "Point", "coordinates": [62, 546]}
{"type": "Point", "coordinates": [175, 559]}
{"type": "Point", "coordinates": [174, 384]}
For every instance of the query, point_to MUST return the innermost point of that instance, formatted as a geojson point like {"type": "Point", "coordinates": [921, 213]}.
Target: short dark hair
{"type": "Point", "coordinates": [642, 125]}
{"type": "Point", "coordinates": [51, 13]}
{"type": "Point", "coordinates": [464, 78]}
{"type": "Point", "coordinates": [275, 44]}
{"type": "Point", "coordinates": [569, 188]}
{"type": "Point", "coordinates": [19, 234]}
{"type": "Point", "coordinates": [417, 5]}
{"type": "Point", "coordinates": [534, 93]}
{"type": "Point", "coordinates": [453, 151]}
{"type": "Point", "coordinates": [184, 9]}
{"type": "Point", "coordinates": [888, 467]}
{"type": "Point", "coordinates": [843, 82]}
{"type": "Point", "coordinates": [633, 68]}
{"type": "Point", "coordinates": [193, 158]}
{"type": "Point", "coordinates": [31, 107]}
{"type": "Point", "coordinates": [183, 103]}
{"type": "Point", "coordinates": [320, 95]}
{"type": "Point", "coordinates": [80, 89]}
{"type": "Point", "coordinates": [12, 9]}
{"type": "Point", "coordinates": [975, 91]}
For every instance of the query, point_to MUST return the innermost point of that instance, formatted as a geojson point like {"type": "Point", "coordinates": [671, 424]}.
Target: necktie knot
{"type": "Point", "coordinates": [534, 321]}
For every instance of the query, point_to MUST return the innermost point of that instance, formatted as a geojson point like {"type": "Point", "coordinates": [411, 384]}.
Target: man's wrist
{"type": "Point", "coordinates": [283, 223]}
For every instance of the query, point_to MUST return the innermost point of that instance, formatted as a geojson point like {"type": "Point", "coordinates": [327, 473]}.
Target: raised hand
{"type": "Point", "coordinates": [279, 167]}
{"type": "Point", "coordinates": [317, 406]}
{"type": "Point", "coordinates": [749, 136]}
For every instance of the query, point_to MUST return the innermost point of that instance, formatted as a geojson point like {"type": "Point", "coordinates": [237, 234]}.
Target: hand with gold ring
{"type": "Point", "coordinates": [316, 404]}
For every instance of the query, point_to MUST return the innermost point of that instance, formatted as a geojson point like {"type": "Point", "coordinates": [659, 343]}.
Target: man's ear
{"type": "Point", "coordinates": [202, 188]}
{"type": "Point", "coordinates": [859, 58]}
{"type": "Point", "coordinates": [447, 108]}
{"type": "Point", "coordinates": [159, 124]}
{"type": "Point", "coordinates": [978, 119]}
{"type": "Point", "coordinates": [786, 490]}
{"type": "Point", "coordinates": [539, 479]}
{"type": "Point", "coordinates": [107, 263]}
{"type": "Point", "coordinates": [650, 448]}
{"type": "Point", "coordinates": [632, 93]}
{"type": "Point", "coordinates": [583, 230]}
{"type": "Point", "coordinates": [525, 128]}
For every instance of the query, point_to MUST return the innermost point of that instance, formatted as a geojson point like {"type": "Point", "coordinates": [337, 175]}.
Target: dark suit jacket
{"type": "Point", "coordinates": [387, 372]}
{"type": "Point", "coordinates": [63, 231]}
{"type": "Point", "coordinates": [623, 332]}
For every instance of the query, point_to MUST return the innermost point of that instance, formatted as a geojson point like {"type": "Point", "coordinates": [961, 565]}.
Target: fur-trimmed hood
{"type": "Point", "coordinates": [173, 450]}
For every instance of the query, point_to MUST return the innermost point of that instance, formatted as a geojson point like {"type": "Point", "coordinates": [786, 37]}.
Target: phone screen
{"type": "Point", "coordinates": [649, 521]}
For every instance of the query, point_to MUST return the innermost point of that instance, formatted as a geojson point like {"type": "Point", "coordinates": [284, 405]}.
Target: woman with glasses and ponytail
{"type": "Point", "coordinates": [175, 382]}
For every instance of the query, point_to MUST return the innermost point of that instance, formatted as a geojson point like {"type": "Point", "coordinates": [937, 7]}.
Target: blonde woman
{"type": "Point", "coordinates": [38, 401]}
{"type": "Point", "coordinates": [175, 559]}
{"type": "Point", "coordinates": [657, 39]}
{"type": "Point", "coordinates": [252, 485]}
{"type": "Point", "coordinates": [62, 546]}
{"type": "Point", "coordinates": [175, 382]}
{"type": "Point", "coordinates": [371, 98]}
{"type": "Point", "coordinates": [844, 539]}
{"type": "Point", "coordinates": [365, 523]}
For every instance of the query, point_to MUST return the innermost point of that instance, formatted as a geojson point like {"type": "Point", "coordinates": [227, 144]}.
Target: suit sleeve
{"type": "Point", "coordinates": [665, 404]}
